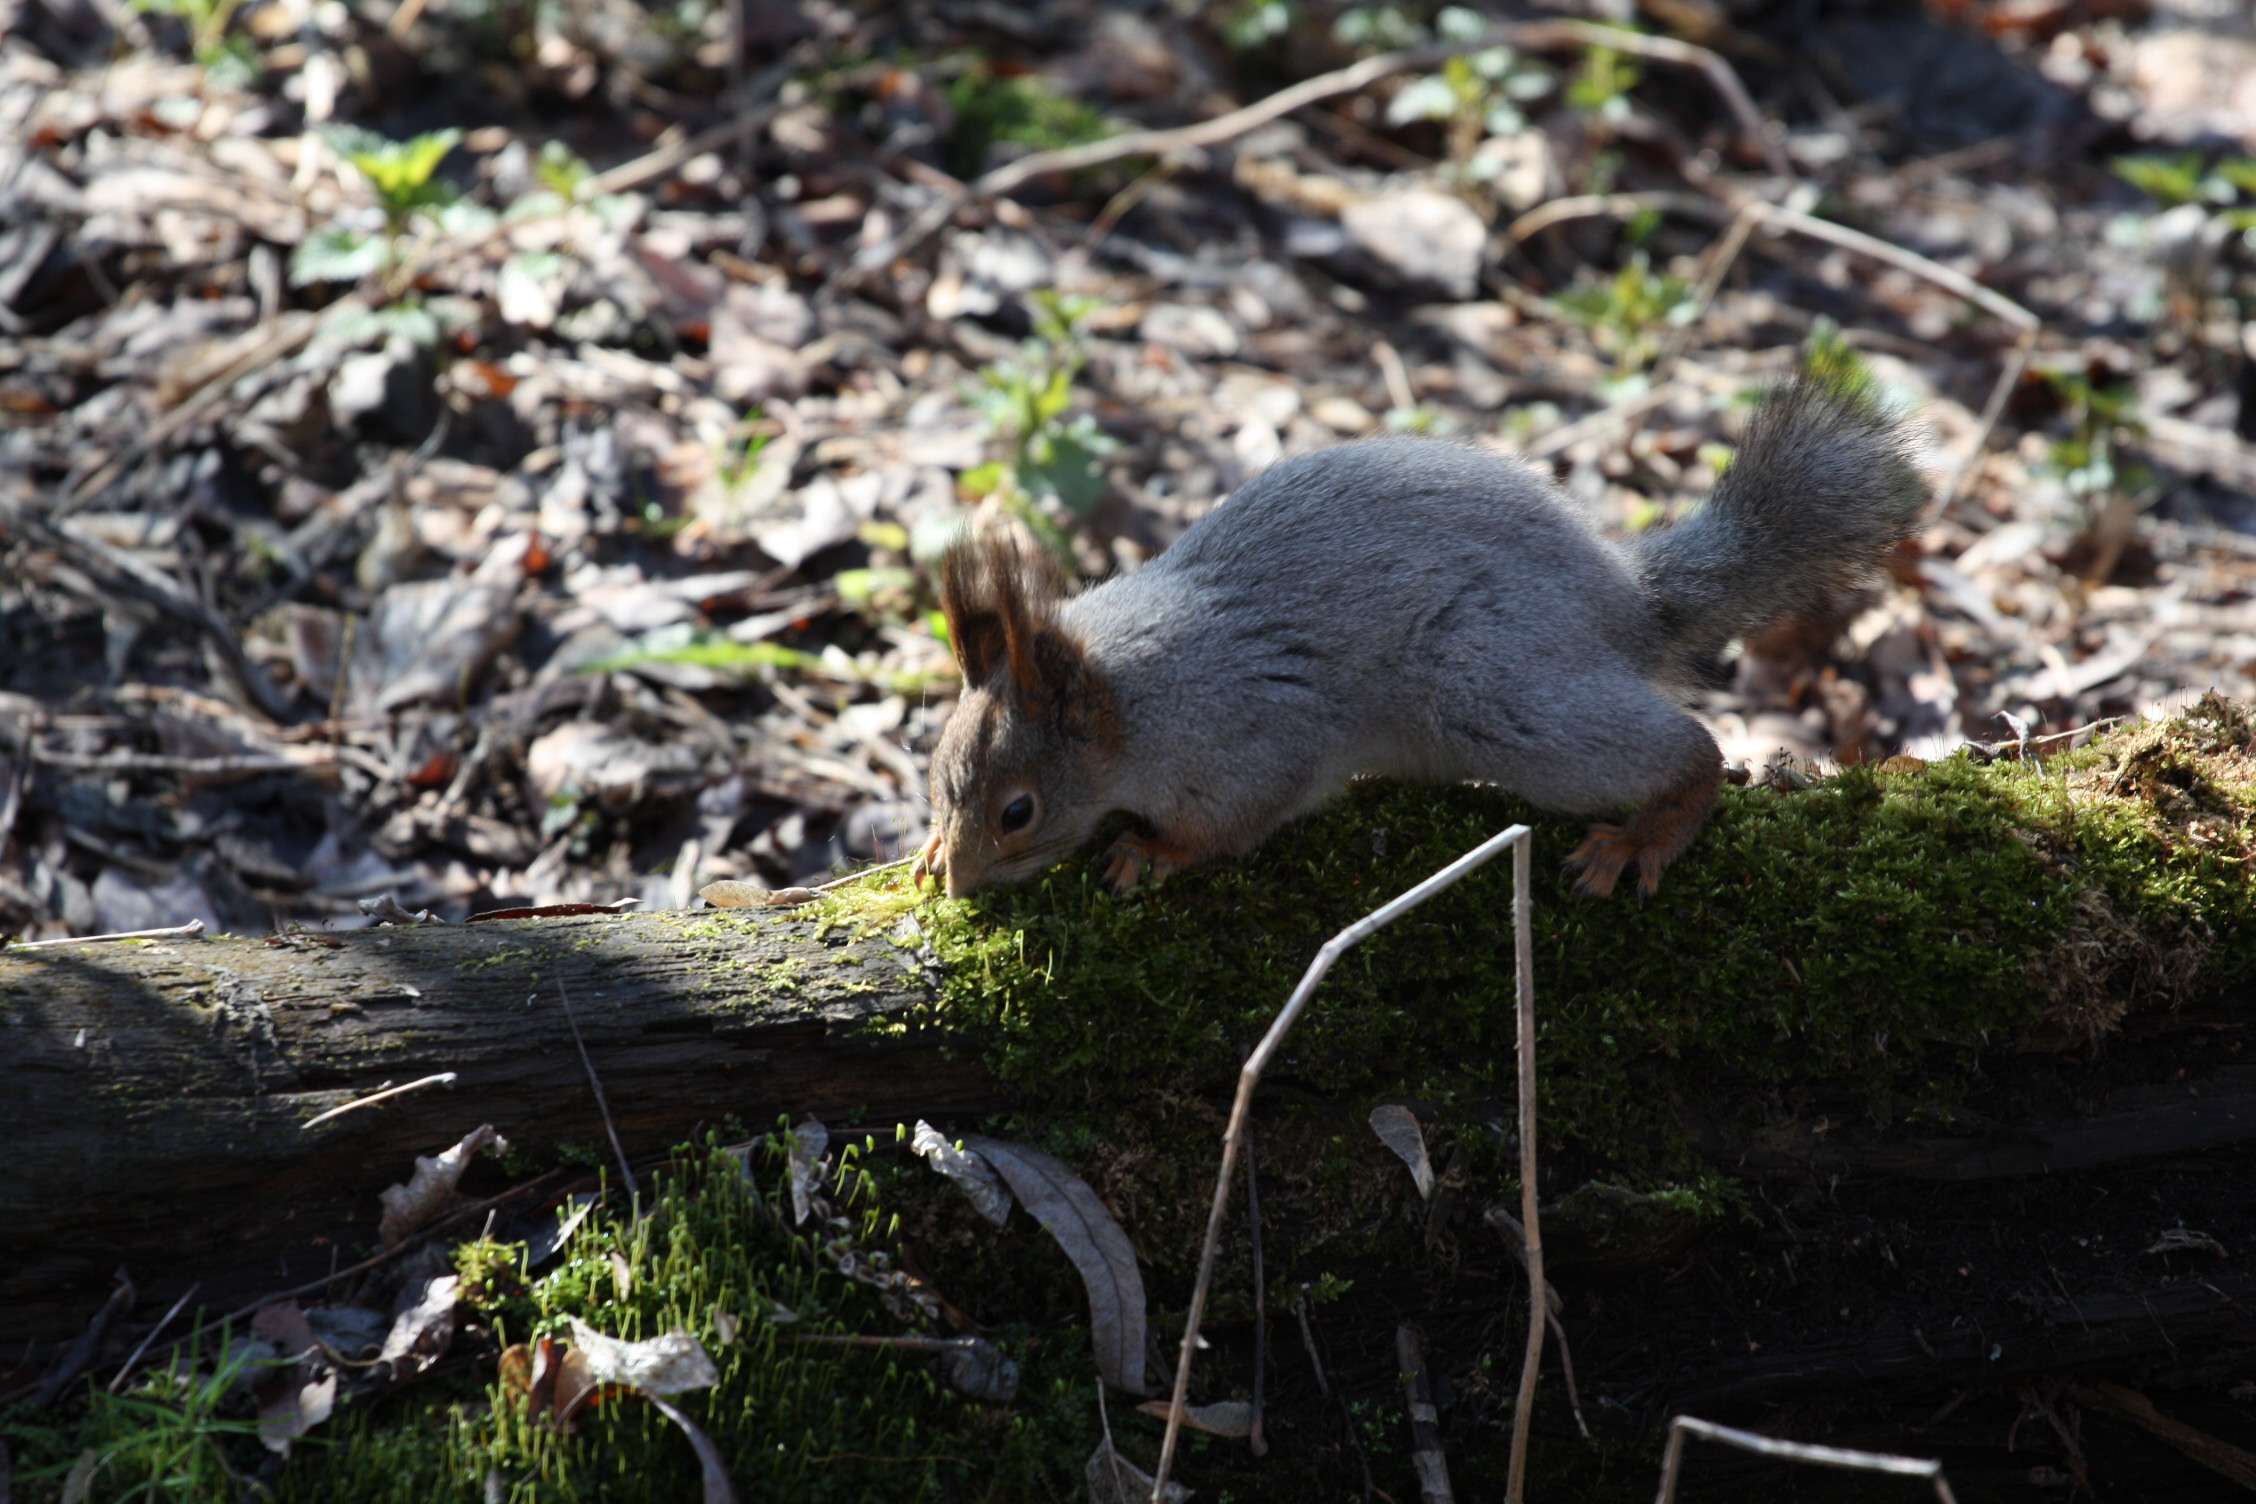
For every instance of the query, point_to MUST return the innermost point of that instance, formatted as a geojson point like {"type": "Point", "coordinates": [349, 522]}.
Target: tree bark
{"type": "Point", "coordinates": [155, 1091]}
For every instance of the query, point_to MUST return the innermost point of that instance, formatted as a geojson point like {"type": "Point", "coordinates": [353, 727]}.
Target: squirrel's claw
{"type": "Point", "coordinates": [929, 863]}
{"type": "Point", "coordinates": [1130, 858]}
{"type": "Point", "coordinates": [1599, 860]}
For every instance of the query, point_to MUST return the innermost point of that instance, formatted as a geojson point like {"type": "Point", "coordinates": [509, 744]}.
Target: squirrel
{"type": "Point", "coordinates": [1406, 607]}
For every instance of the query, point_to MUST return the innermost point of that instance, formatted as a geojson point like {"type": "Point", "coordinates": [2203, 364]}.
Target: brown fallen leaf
{"type": "Point", "coordinates": [732, 894]}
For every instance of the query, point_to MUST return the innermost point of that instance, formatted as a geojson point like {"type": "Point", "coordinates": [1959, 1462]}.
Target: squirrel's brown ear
{"type": "Point", "coordinates": [996, 597]}
{"type": "Point", "coordinates": [967, 599]}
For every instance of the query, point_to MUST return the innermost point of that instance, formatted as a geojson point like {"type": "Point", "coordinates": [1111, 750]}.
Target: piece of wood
{"type": "Point", "coordinates": [156, 1091]}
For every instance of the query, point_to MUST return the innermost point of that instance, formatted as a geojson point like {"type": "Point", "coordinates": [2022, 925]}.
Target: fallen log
{"type": "Point", "coordinates": [156, 1091]}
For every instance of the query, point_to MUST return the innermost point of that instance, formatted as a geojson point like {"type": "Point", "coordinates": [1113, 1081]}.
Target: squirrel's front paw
{"type": "Point", "coordinates": [929, 863]}
{"type": "Point", "coordinates": [1129, 858]}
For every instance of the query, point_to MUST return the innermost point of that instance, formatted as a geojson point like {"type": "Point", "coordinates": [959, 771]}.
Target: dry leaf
{"type": "Point", "coordinates": [422, 1326]}
{"type": "Point", "coordinates": [975, 1367]}
{"type": "Point", "coordinates": [711, 1467]}
{"type": "Point", "coordinates": [1063, 1203]}
{"type": "Point", "coordinates": [1232, 1418]}
{"type": "Point", "coordinates": [666, 1364]}
{"type": "Point", "coordinates": [1397, 1128]}
{"type": "Point", "coordinates": [808, 1141]}
{"type": "Point", "coordinates": [427, 640]}
{"type": "Point", "coordinates": [971, 1174]}
{"type": "Point", "coordinates": [1113, 1479]}
{"type": "Point", "coordinates": [295, 1408]}
{"type": "Point", "coordinates": [431, 1189]}
{"type": "Point", "coordinates": [732, 894]}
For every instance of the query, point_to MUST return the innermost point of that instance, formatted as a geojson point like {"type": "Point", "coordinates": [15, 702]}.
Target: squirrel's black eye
{"type": "Point", "coordinates": [1017, 813]}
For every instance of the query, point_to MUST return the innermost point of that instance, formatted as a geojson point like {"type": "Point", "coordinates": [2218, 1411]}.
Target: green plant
{"type": "Point", "coordinates": [1627, 312]}
{"type": "Point", "coordinates": [1054, 458]}
{"type": "Point", "coordinates": [409, 193]}
{"type": "Point", "coordinates": [169, 1437]}
{"type": "Point", "coordinates": [228, 60]}
{"type": "Point", "coordinates": [1602, 87]}
{"type": "Point", "coordinates": [992, 108]}
{"type": "Point", "coordinates": [1255, 23]}
{"type": "Point", "coordinates": [1476, 94]}
{"type": "Point", "coordinates": [2101, 417]}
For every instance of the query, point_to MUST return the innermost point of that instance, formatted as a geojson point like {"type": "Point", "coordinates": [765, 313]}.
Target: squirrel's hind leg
{"type": "Point", "coordinates": [1605, 739]}
{"type": "Point", "coordinates": [1649, 839]}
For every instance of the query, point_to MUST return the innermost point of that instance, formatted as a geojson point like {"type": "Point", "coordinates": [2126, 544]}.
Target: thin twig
{"type": "Point", "coordinates": [188, 931]}
{"type": "Point", "coordinates": [143, 1345]}
{"type": "Point", "coordinates": [1534, 36]}
{"type": "Point", "coordinates": [1426, 1454]}
{"type": "Point", "coordinates": [1515, 1238]}
{"type": "Point", "coordinates": [1249, 1077]}
{"type": "Point", "coordinates": [855, 877]}
{"type": "Point", "coordinates": [602, 1104]}
{"type": "Point", "coordinates": [1609, 206]}
{"type": "Point", "coordinates": [1792, 1451]}
{"type": "Point", "coordinates": [1257, 1443]}
{"type": "Point", "coordinates": [443, 1078]}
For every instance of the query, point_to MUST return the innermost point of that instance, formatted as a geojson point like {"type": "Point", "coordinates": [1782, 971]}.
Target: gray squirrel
{"type": "Point", "coordinates": [1406, 607]}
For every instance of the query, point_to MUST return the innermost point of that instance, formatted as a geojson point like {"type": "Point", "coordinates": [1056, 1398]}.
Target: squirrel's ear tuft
{"type": "Point", "coordinates": [997, 596]}
{"type": "Point", "coordinates": [975, 627]}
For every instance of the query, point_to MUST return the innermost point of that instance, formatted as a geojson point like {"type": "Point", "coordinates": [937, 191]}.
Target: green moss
{"type": "Point", "coordinates": [715, 1255]}
{"type": "Point", "coordinates": [500, 955]}
{"type": "Point", "coordinates": [1880, 930]}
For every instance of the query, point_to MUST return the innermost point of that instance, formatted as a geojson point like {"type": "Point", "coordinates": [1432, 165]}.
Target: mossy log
{"type": "Point", "coordinates": [1884, 989]}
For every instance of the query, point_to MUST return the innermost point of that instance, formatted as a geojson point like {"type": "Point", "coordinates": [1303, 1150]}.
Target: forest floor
{"type": "Point", "coordinates": [468, 454]}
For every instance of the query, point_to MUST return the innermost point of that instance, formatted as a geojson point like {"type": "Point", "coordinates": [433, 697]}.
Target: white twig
{"type": "Point", "coordinates": [188, 931]}
{"type": "Point", "coordinates": [143, 1345]}
{"type": "Point", "coordinates": [443, 1078]}
{"type": "Point", "coordinates": [1249, 1078]}
{"type": "Point", "coordinates": [1792, 1451]}
{"type": "Point", "coordinates": [1523, 963]}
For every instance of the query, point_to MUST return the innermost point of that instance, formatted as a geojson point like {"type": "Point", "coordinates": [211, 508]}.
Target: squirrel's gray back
{"type": "Point", "coordinates": [1347, 588]}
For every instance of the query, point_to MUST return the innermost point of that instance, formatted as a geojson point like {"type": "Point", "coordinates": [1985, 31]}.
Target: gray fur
{"type": "Point", "coordinates": [1437, 612]}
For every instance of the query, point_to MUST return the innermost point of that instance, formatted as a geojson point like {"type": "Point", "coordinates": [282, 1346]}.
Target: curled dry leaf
{"type": "Point", "coordinates": [551, 1377]}
{"type": "Point", "coordinates": [971, 1174]}
{"type": "Point", "coordinates": [732, 894]}
{"type": "Point", "coordinates": [1232, 1418]}
{"type": "Point", "coordinates": [808, 1142]}
{"type": "Point", "coordinates": [294, 1407]}
{"type": "Point", "coordinates": [666, 1364]}
{"type": "Point", "coordinates": [1397, 1128]}
{"type": "Point", "coordinates": [976, 1368]}
{"type": "Point", "coordinates": [543, 1246]}
{"type": "Point", "coordinates": [1113, 1479]}
{"type": "Point", "coordinates": [422, 1325]}
{"type": "Point", "coordinates": [429, 1191]}
{"type": "Point", "coordinates": [1064, 1204]}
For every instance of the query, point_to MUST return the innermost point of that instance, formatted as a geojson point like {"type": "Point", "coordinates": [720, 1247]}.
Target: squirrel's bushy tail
{"type": "Point", "coordinates": [1821, 488]}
